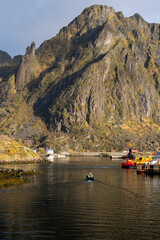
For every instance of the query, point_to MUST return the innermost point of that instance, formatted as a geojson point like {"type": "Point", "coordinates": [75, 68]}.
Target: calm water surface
{"type": "Point", "coordinates": [59, 204]}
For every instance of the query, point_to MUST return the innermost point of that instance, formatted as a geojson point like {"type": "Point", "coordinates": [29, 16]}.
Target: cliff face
{"type": "Point", "coordinates": [96, 83]}
{"type": "Point", "coordinates": [115, 63]}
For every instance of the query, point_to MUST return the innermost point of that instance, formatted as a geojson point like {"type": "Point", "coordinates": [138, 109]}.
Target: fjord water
{"type": "Point", "coordinates": [59, 204]}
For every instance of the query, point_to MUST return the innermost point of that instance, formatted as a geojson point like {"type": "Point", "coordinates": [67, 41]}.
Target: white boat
{"type": "Point", "coordinates": [50, 157]}
{"type": "Point", "coordinates": [156, 159]}
{"type": "Point", "coordinates": [61, 156]}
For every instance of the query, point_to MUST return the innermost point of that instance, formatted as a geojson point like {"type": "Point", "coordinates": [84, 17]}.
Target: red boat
{"type": "Point", "coordinates": [129, 164]}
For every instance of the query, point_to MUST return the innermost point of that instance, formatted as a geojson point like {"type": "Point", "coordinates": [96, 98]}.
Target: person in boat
{"type": "Point", "coordinates": [130, 154]}
{"type": "Point", "coordinates": [89, 176]}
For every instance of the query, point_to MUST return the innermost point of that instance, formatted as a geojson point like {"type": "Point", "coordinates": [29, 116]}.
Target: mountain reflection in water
{"type": "Point", "coordinates": [59, 204]}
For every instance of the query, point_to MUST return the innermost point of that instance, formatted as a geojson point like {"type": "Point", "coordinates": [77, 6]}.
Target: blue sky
{"type": "Point", "coordinates": [24, 21]}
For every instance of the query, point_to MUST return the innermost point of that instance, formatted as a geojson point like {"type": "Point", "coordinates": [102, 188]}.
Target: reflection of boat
{"type": "Point", "coordinates": [90, 177]}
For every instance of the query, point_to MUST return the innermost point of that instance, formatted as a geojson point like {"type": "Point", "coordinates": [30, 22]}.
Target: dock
{"type": "Point", "coordinates": [149, 169]}
{"type": "Point", "coordinates": [117, 155]}
{"type": "Point", "coordinates": [89, 154]}
{"type": "Point", "coordinates": [111, 155]}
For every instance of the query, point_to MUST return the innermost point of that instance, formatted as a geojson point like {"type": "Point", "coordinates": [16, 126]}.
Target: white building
{"type": "Point", "coordinates": [49, 151]}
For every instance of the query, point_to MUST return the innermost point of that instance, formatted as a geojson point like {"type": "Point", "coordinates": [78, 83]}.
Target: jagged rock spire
{"type": "Point", "coordinates": [26, 68]}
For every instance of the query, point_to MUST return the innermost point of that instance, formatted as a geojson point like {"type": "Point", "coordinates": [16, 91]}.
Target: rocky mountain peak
{"type": "Point", "coordinates": [5, 58]}
{"type": "Point", "coordinates": [98, 10]}
{"type": "Point", "coordinates": [139, 20]}
{"type": "Point", "coordinates": [30, 50]}
{"type": "Point", "coordinates": [91, 18]}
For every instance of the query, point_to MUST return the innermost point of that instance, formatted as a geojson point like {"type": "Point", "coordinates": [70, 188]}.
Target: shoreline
{"type": "Point", "coordinates": [5, 162]}
{"type": "Point", "coordinates": [43, 158]}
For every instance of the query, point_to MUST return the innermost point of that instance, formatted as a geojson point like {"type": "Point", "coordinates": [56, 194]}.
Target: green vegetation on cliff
{"type": "Point", "coordinates": [11, 151]}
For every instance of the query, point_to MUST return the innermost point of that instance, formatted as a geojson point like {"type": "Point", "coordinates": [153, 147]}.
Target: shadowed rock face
{"type": "Point", "coordinates": [5, 58]}
{"type": "Point", "coordinates": [26, 68]}
{"type": "Point", "coordinates": [100, 71]}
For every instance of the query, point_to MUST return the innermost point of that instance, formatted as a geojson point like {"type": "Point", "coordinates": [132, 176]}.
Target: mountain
{"type": "Point", "coordinates": [94, 86]}
{"type": "Point", "coordinates": [6, 60]}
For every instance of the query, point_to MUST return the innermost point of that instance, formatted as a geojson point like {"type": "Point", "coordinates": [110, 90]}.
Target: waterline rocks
{"type": "Point", "coordinates": [14, 176]}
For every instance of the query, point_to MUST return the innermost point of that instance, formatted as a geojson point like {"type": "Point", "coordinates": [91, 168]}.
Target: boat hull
{"type": "Point", "coordinates": [89, 179]}
{"type": "Point", "coordinates": [129, 164]}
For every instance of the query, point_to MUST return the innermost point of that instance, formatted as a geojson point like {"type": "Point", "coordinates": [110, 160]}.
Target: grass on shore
{"type": "Point", "coordinates": [10, 150]}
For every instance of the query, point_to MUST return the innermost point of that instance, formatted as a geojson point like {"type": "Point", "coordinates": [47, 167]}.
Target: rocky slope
{"type": "Point", "coordinates": [10, 150]}
{"type": "Point", "coordinates": [94, 86]}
